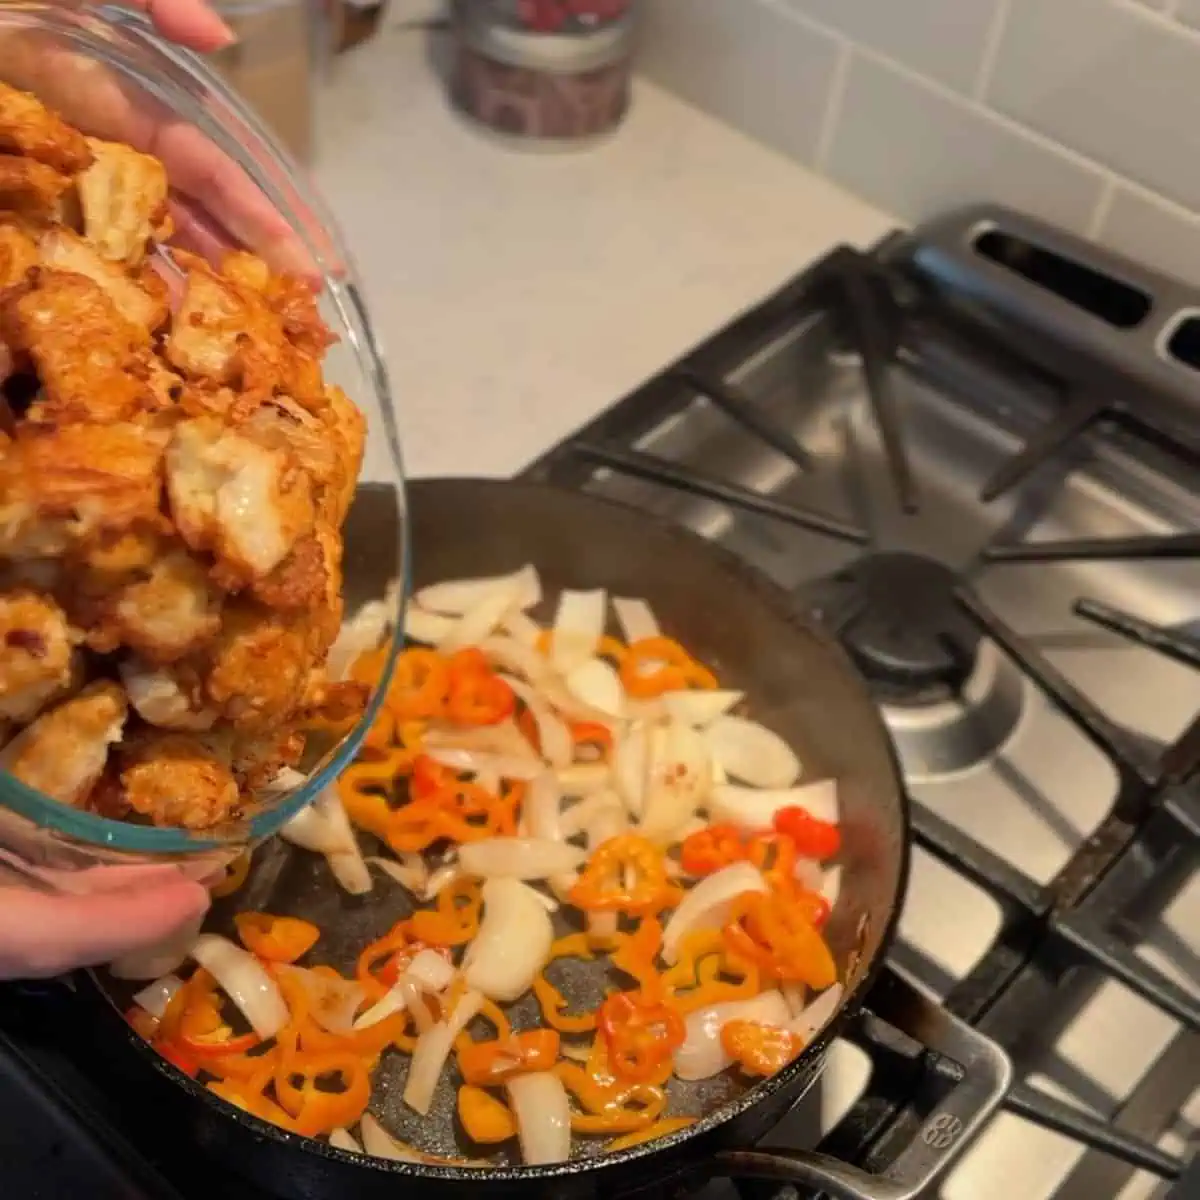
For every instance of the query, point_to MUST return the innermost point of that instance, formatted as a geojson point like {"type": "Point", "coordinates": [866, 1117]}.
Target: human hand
{"type": "Point", "coordinates": [124, 909]}
{"type": "Point", "coordinates": [215, 205]}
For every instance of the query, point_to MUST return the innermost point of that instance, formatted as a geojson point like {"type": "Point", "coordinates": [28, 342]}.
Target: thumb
{"type": "Point", "coordinates": [43, 935]}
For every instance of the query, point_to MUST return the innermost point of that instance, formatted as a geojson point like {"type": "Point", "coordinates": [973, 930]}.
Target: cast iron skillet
{"type": "Point", "coordinates": [798, 682]}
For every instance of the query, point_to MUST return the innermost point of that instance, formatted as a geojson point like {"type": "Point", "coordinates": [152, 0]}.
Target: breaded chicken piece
{"type": "Point", "coordinates": [256, 759]}
{"type": "Point", "coordinates": [37, 654]}
{"type": "Point", "coordinates": [225, 334]}
{"type": "Point", "coordinates": [31, 189]}
{"type": "Point", "coordinates": [176, 780]}
{"type": "Point", "coordinates": [61, 487]}
{"type": "Point", "coordinates": [144, 302]}
{"type": "Point", "coordinates": [332, 702]}
{"type": "Point", "coordinates": [247, 504]}
{"type": "Point", "coordinates": [292, 299]}
{"type": "Point", "coordinates": [123, 553]}
{"type": "Point", "coordinates": [63, 753]}
{"type": "Point", "coordinates": [259, 666]}
{"type": "Point", "coordinates": [90, 359]}
{"type": "Point", "coordinates": [347, 424]}
{"type": "Point", "coordinates": [29, 128]}
{"type": "Point", "coordinates": [163, 613]}
{"type": "Point", "coordinates": [18, 254]}
{"type": "Point", "coordinates": [169, 697]}
{"type": "Point", "coordinates": [301, 580]}
{"type": "Point", "coordinates": [123, 195]}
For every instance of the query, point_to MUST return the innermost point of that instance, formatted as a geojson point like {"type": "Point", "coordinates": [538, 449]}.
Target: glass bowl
{"type": "Point", "coordinates": [96, 67]}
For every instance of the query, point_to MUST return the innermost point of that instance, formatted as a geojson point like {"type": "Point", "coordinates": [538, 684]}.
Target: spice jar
{"type": "Point", "coordinates": [544, 72]}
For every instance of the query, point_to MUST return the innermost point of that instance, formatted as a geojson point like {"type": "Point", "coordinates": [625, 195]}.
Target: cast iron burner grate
{"type": "Point", "coordinates": [915, 628]}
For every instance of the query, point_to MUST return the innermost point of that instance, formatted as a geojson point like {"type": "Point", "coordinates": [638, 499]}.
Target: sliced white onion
{"type": "Point", "coordinates": [364, 632]}
{"type": "Point", "coordinates": [564, 702]}
{"type": "Point", "coordinates": [796, 995]}
{"type": "Point", "coordinates": [542, 810]}
{"type": "Point", "coordinates": [583, 779]}
{"type": "Point", "coordinates": [543, 1116]}
{"type": "Point", "coordinates": [288, 780]}
{"type": "Point", "coordinates": [636, 619]}
{"type": "Point", "coordinates": [702, 1056]}
{"type": "Point", "coordinates": [818, 1013]}
{"type": "Point", "coordinates": [455, 597]}
{"type": "Point", "coordinates": [161, 959]}
{"type": "Point", "coordinates": [378, 1142]}
{"type": "Point", "coordinates": [428, 972]}
{"type": "Point", "coordinates": [679, 781]}
{"type": "Point", "coordinates": [332, 1002]}
{"type": "Point", "coordinates": [631, 766]}
{"type": "Point", "coordinates": [155, 997]}
{"type": "Point", "coordinates": [582, 815]}
{"type": "Point", "coordinates": [752, 753]}
{"type": "Point", "coordinates": [479, 621]}
{"type": "Point", "coordinates": [753, 810]}
{"type": "Point", "coordinates": [698, 708]}
{"type": "Point", "coordinates": [409, 874]}
{"type": "Point", "coordinates": [428, 628]}
{"type": "Point", "coordinates": [558, 747]}
{"type": "Point", "coordinates": [708, 903]}
{"type": "Point", "coordinates": [513, 943]}
{"type": "Point", "coordinates": [441, 879]}
{"type": "Point", "coordinates": [831, 886]}
{"type": "Point", "coordinates": [516, 657]}
{"type": "Point", "coordinates": [244, 980]}
{"type": "Point", "coordinates": [347, 864]}
{"type": "Point", "coordinates": [808, 874]}
{"type": "Point", "coordinates": [343, 1139]}
{"type": "Point", "coordinates": [519, 858]}
{"type": "Point", "coordinates": [596, 683]}
{"type": "Point", "coordinates": [578, 627]}
{"type": "Point", "coordinates": [503, 740]}
{"type": "Point", "coordinates": [523, 627]}
{"type": "Point", "coordinates": [479, 762]}
{"type": "Point", "coordinates": [431, 1051]}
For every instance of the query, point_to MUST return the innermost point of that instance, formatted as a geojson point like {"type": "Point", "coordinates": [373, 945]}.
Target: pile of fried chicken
{"type": "Point", "coordinates": [174, 476]}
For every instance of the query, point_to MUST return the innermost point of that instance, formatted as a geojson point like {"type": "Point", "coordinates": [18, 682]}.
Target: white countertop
{"type": "Point", "coordinates": [518, 294]}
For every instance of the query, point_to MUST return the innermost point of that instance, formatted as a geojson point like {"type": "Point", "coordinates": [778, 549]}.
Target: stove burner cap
{"type": "Point", "coordinates": [903, 628]}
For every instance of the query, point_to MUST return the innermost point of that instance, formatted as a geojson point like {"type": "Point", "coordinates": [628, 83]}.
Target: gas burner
{"type": "Point", "coordinates": [897, 616]}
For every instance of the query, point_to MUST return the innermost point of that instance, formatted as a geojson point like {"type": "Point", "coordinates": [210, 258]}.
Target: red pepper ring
{"type": "Point", "coordinates": [641, 1034]}
{"type": "Point", "coordinates": [479, 699]}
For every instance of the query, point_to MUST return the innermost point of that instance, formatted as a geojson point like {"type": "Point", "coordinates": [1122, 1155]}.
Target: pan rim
{"type": "Point", "coordinates": [772, 595]}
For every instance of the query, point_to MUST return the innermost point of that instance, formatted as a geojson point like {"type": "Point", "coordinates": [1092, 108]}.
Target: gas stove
{"type": "Point", "coordinates": [972, 452]}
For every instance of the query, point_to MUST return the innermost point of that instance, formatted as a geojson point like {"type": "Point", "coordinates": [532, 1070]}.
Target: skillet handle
{"type": "Point", "coordinates": [985, 1075]}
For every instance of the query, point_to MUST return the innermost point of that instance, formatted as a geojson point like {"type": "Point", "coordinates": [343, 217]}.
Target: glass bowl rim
{"type": "Point", "coordinates": [122, 32]}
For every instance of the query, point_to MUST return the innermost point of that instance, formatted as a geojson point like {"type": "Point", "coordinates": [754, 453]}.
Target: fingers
{"type": "Point", "coordinates": [43, 935]}
{"type": "Point", "coordinates": [192, 23]}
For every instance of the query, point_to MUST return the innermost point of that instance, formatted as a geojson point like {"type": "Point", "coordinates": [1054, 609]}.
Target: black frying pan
{"type": "Point", "coordinates": [797, 681]}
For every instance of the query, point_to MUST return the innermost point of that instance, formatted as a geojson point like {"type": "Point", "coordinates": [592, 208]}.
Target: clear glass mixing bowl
{"type": "Point", "coordinates": [107, 72]}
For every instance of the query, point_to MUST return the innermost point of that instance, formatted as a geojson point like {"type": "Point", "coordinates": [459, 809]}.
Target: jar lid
{"type": "Point", "coordinates": [481, 28]}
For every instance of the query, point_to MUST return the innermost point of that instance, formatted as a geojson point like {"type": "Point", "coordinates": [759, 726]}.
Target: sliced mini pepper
{"type": "Point", "coordinates": [592, 733]}
{"type": "Point", "coordinates": [641, 1034]}
{"type": "Point", "coordinates": [655, 665]}
{"type": "Point", "coordinates": [610, 1106]}
{"type": "Point", "coordinates": [708, 850]}
{"type": "Point", "coordinates": [456, 921]}
{"type": "Point", "coordinates": [661, 1128]}
{"type": "Point", "coordinates": [315, 1109]}
{"type": "Point", "coordinates": [605, 886]}
{"type": "Point", "coordinates": [551, 1000]}
{"type": "Point", "coordinates": [813, 838]}
{"type": "Point", "coordinates": [708, 972]}
{"type": "Point", "coordinates": [243, 1096]}
{"type": "Point", "coordinates": [277, 939]}
{"type": "Point", "coordinates": [420, 682]}
{"type": "Point", "coordinates": [759, 1049]}
{"type": "Point", "coordinates": [236, 874]}
{"type": "Point", "coordinates": [773, 931]}
{"type": "Point", "coordinates": [486, 1119]}
{"type": "Point", "coordinates": [480, 700]}
{"type": "Point", "coordinates": [488, 1063]}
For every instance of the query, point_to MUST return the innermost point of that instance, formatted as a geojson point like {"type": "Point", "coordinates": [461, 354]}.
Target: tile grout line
{"type": "Point", "coordinates": [991, 49]}
{"type": "Point", "coordinates": [833, 105]}
{"type": "Point", "coordinates": [1104, 204]}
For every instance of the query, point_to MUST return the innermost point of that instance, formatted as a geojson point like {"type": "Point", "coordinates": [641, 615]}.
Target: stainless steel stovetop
{"type": "Point", "coordinates": [898, 439]}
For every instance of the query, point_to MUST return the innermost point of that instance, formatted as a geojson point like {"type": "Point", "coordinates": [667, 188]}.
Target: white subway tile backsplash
{"type": "Point", "coordinates": [944, 39]}
{"type": "Point", "coordinates": [1150, 231]}
{"type": "Point", "coordinates": [1110, 82]}
{"type": "Point", "coordinates": [915, 149]}
{"type": "Point", "coordinates": [750, 64]}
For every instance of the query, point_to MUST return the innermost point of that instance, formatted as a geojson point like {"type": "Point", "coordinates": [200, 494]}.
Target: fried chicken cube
{"type": "Point", "coordinates": [144, 302]}
{"type": "Point", "coordinates": [293, 299]}
{"type": "Point", "coordinates": [164, 613]}
{"type": "Point", "coordinates": [29, 128]}
{"type": "Point", "coordinates": [348, 425]}
{"type": "Point", "coordinates": [177, 780]}
{"type": "Point", "coordinates": [18, 254]}
{"type": "Point", "coordinates": [37, 654]}
{"type": "Point", "coordinates": [123, 195]}
{"type": "Point", "coordinates": [60, 487]}
{"type": "Point", "coordinates": [259, 666]}
{"type": "Point", "coordinates": [89, 357]}
{"type": "Point", "coordinates": [247, 504]}
{"type": "Point", "coordinates": [257, 760]}
{"type": "Point", "coordinates": [169, 697]}
{"type": "Point", "coordinates": [63, 753]}
{"type": "Point", "coordinates": [31, 188]}
{"type": "Point", "coordinates": [332, 702]}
